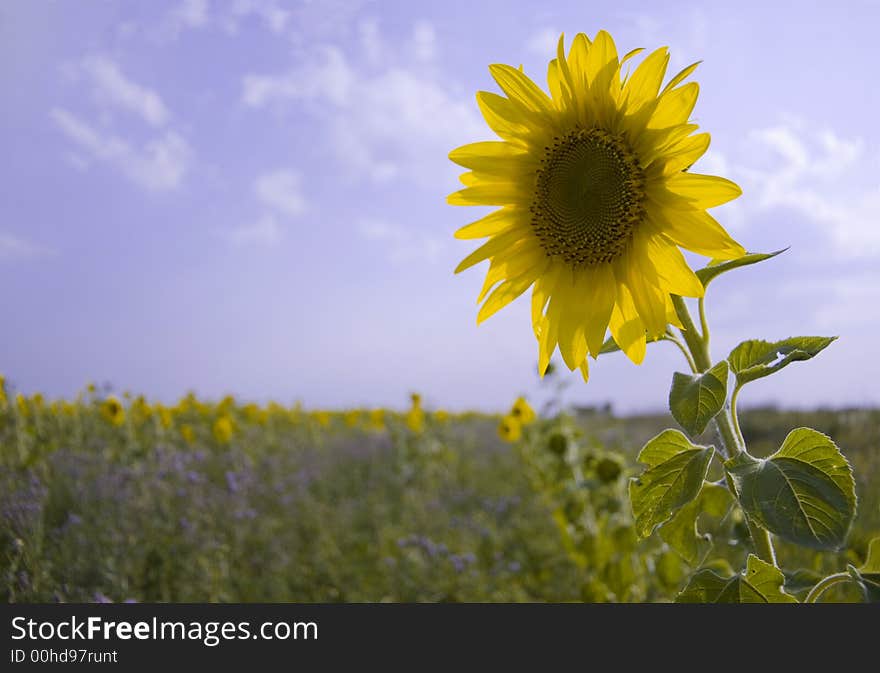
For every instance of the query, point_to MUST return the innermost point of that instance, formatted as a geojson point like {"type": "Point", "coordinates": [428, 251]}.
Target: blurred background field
{"type": "Point", "coordinates": [115, 499]}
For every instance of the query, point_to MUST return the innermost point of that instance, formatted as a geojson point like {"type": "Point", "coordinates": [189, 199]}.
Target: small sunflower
{"type": "Point", "coordinates": [510, 429]}
{"type": "Point", "coordinates": [595, 199]}
{"type": "Point", "coordinates": [223, 429]}
{"type": "Point", "coordinates": [188, 434]}
{"type": "Point", "coordinates": [113, 411]}
{"type": "Point", "coordinates": [522, 411]}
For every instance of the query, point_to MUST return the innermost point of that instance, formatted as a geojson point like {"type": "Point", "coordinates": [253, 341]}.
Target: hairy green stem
{"type": "Point", "coordinates": [704, 324]}
{"type": "Point", "coordinates": [726, 422]}
{"type": "Point", "coordinates": [825, 584]}
{"type": "Point", "coordinates": [735, 417]}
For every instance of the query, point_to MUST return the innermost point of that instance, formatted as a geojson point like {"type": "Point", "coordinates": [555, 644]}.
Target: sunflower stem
{"type": "Point", "coordinates": [704, 324]}
{"type": "Point", "coordinates": [825, 584]}
{"type": "Point", "coordinates": [730, 437]}
{"type": "Point", "coordinates": [670, 336]}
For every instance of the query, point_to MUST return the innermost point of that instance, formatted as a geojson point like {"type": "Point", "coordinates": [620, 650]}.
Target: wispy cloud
{"type": "Point", "coordinates": [262, 232]}
{"type": "Point", "coordinates": [159, 164]}
{"type": "Point", "coordinates": [820, 175]}
{"type": "Point", "coordinates": [401, 245]}
{"type": "Point", "coordinates": [281, 190]}
{"type": "Point", "coordinates": [13, 247]}
{"type": "Point", "coordinates": [112, 87]}
{"type": "Point", "coordinates": [543, 42]}
{"type": "Point", "coordinates": [190, 14]}
{"type": "Point", "coordinates": [227, 15]}
{"type": "Point", "coordinates": [274, 15]}
{"type": "Point", "coordinates": [385, 118]}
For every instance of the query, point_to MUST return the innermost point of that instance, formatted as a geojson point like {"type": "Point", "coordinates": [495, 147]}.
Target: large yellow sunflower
{"type": "Point", "coordinates": [595, 199]}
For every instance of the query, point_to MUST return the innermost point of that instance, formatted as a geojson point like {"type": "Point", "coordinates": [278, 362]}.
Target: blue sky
{"type": "Point", "coordinates": [249, 196]}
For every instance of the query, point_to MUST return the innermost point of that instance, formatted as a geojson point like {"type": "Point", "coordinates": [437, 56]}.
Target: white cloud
{"type": "Point", "coordinates": [383, 122]}
{"type": "Point", "coordinates": [270, 12]}
{"type": "Point", "coordinates": [424, 41]}
{"type": "Point", "coordinates": [281, 191]}
{"type": "Point", "coordinates": [401, 245]}
{"type": "Point", "coordinates": [227, 16]}
{"type": "Point", "coordinates": [264, 231]}
{"type": "Point", "coordinates": [112, 87]}
{"type": "Point", "coordinates": [190, 14]}
{"type": "Point", "coordinates": [160, 164]}
{"type": "Point", "coordinates": [371, 42]}
{"type": "Point", "coordinates": [819, 175]}
{"type": "Point", "coordinates": [330, 78]}
{"type": "Point", "coordinates": [13, 247]}
{"type": "Point", "coordinates": [544, 42]}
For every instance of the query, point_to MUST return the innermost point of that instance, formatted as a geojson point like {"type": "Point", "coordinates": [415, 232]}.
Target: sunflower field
{"type": "Point", "coordinates": [107, 498]}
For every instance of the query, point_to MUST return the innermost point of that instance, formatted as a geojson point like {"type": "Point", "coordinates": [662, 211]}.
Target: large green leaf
{"type": "Point", "coordinates": [868, 576]}
{"type": "Point", "coordinates": [761, 583]}
{"type": "Point", "coordinates": [682, 533]}
{"type": "Point", "coordinates": [756, 359]}
{"type": "Point", "coordinates": [676, 469]}
{"type": "Point", "coordinates": [804, 493]}
{"type": "Point", "coordinates": [715, 268]}
{"type": "Point", "coordinates": [694, 400]}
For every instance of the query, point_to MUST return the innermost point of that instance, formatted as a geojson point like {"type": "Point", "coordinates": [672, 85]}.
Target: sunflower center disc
{"type": "Point", "coordinates": [588, 197]}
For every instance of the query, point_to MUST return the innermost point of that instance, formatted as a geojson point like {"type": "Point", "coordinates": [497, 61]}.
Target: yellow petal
{"type": "Point", "coordinates": [517, 260]}
{"type": "Point", "coordinates": [699, 232]}
{"type": "Point", "coordinates": [602, 63]}
{"type": "Point", "coordinates": [502, 116]}
{"type": "Point", "coordinates": [680, 77]}
{"type": "Point", "coordinates": [675, 106]}
{"type": "Point", "coordinates": [566, 307]}
{"type": "Point", "coordinates": [485, 155]}
{"type": "Point", "coordinates": [640, 276]}
{"type": "Point", "coordinates": [585, 370]}
{"type": "Point", "coordinates": [546, 333]}
{"type": "Point", "coordinates": [705, 191]}
{"type": "Point", "coordinates": [577, 61]}
{"type": "Point", "coordinates": [504, 294]}
{"type": "Point", "coordinates": [493, 223]}
{"type": "Point", "coordinates": [495, 245]}
{"type": "Point", "coordinates": [627, 327]}
{"type": "Point", "coordinates": [491, 194]}
{"type": "Point", "coordinates": [685, 154]}
{"type": "Point", "coordinates": [674, 273]}
{"type": "Point", "coordinates": [643, 85]}
{"type": "Point", "coordinates": [541, 292]}
{"type": "Point", "coordinates": [468, 179]}
{"type": "Point", "coordinates": [520, 89]}
{"type": "Point", "coordinates": [566, 78]}
{"type": "Point", "coordinates": [598, 296]}
{"type": "Point", "coordinates": [554, 83]}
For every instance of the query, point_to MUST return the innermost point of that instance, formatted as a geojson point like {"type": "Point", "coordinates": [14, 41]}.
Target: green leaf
{"type": "Point", "coordinates": [694, 400]}
{"type": "Point", "coordinates": [761, 583]}
{"type": "Point", "coordinates": [676, 469]}
{"type": "Point", "coordinates": [756, 359]}
{"type": "Point", "coordinates": [868, 576]}
{"type": "Point", "coordinates": [682, 533]}
{"type": "Point", "coordinates": [715, 268]}
{"type": "Point", "coordinates": [804, 493]}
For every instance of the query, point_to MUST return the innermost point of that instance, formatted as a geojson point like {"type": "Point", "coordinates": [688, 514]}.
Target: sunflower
{"type": "Point", "coordinates": [595, 199]}
{"type": "Point", "coordinates": [510, 429]}
{"type": "Point", "coordinates": [522, 411]}
{"type": "Point", "coordinates": [113, 411]}
{"type": "Point", "coordinates": [223, 429]}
